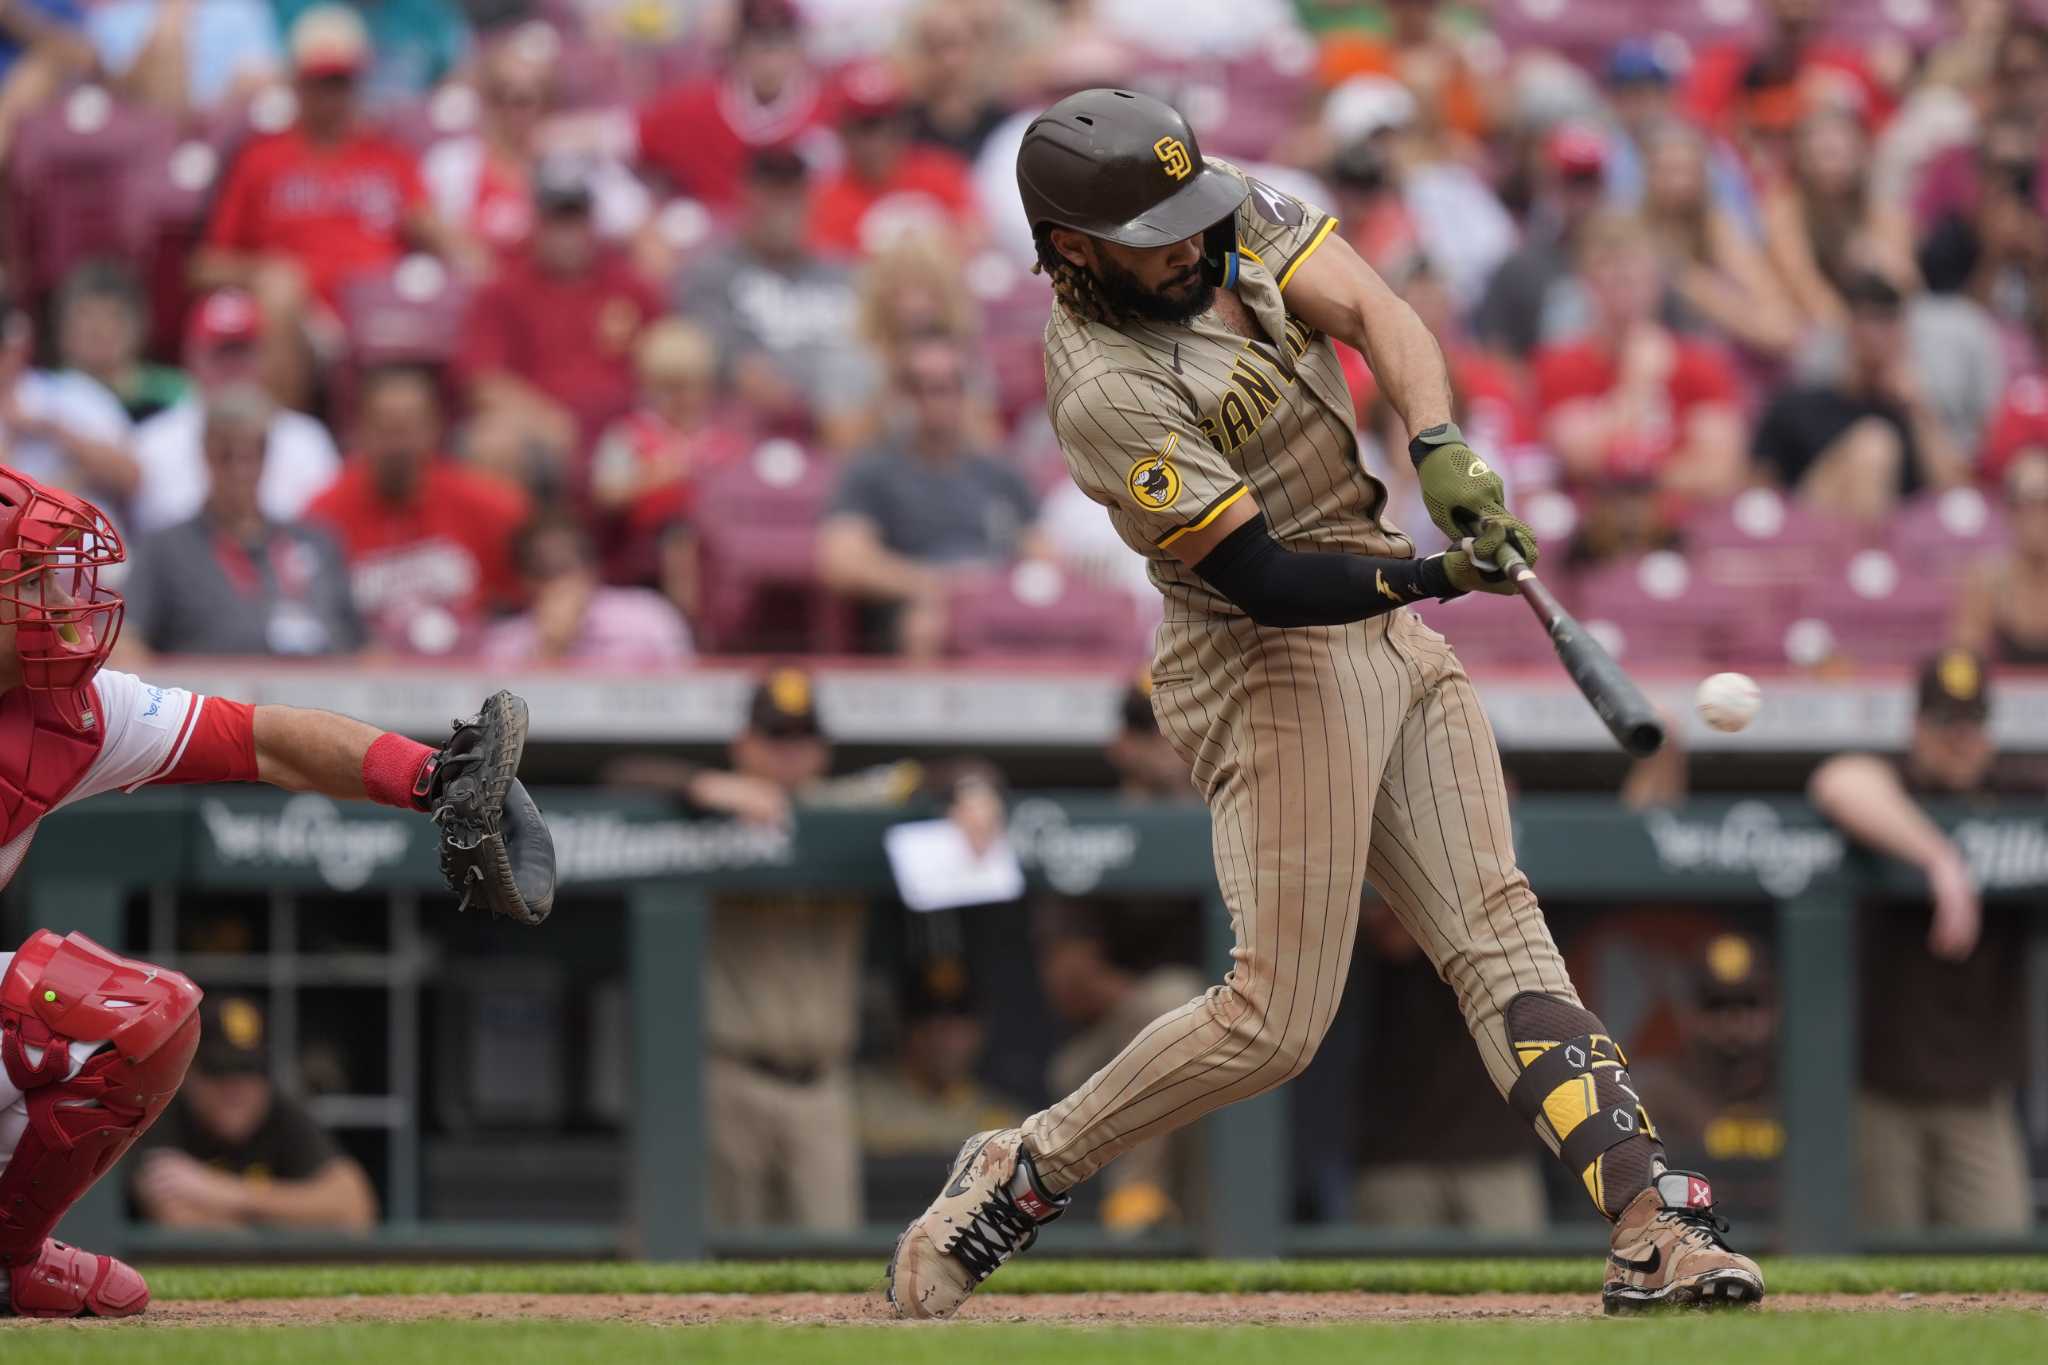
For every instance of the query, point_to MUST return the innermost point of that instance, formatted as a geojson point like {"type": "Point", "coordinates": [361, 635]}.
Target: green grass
{"type": "Point", "coordinates": [1572, 1275]}
{"type": "Point", "coordinates": [1756, 1339]}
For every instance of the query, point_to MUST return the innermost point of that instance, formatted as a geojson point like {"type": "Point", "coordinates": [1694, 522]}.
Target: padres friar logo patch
{"type": "Point", "coordinates": [1153, 481]}
{"type": "Point", "coordinates": [1173, 154]}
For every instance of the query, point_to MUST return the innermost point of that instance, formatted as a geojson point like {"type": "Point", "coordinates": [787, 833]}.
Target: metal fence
{"type": "Point", "coordinates": [90, 864]}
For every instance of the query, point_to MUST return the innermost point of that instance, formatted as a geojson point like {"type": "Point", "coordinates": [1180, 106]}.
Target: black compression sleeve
{"type": "Point", "coordinates": [1280, 587]}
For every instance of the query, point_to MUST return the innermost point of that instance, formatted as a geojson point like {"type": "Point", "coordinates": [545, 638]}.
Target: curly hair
{"type": "Point", "coordinates": [1073, 285]}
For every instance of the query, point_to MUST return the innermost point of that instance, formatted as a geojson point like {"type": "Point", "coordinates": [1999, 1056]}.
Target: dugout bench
{"type": "Point", "coordinates": [89, 862]}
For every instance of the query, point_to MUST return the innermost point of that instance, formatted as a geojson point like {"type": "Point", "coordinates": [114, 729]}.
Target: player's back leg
{"type": "Point", "coordinates": [94, 1047]}
{"type": "Point", "coordinates": [1443, 856]}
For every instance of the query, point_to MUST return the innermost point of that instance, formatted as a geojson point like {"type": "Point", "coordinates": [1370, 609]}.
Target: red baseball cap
{"type": "Point", "coordinates": [1576, 149]}
{"type": "Point", "coordinates": [222, 318]}
{"type": "Point", "coordinates": [2021, 423]}
{"type": "Point", "coordinates": [870, 90]}
{"type": "Point", "coordinates": [329, 40]}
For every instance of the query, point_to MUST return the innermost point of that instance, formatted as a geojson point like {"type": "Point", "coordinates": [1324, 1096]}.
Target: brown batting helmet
{"type": "Point", "coordinates": [1126, 168]}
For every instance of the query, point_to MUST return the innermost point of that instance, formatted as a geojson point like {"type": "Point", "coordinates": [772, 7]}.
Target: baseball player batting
{"type": "Point", "coordinates": [1193, 379]}
{"type": "Point", "coordinates": [92, 1045]}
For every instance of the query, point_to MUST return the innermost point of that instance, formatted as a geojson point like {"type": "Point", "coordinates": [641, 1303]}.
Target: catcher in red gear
{"type": "Point", "coordinates": [92, 1045]}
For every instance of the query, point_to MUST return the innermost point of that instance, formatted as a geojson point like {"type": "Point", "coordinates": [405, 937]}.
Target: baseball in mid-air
{"type": "Point", "coordinates": [1729, 701]}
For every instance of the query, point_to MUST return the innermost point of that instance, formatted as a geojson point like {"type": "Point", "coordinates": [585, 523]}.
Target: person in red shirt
{"type": "Point", "coordinates": [547, 352]}
{"type": "Point", "coordinates": [1633, 401]}
{"type": "Point", "coordinates": [428, 541]}
{"type": "Point", "coordinates": [1793, 66]}
{"type": "Point", "coordinates": [700, 136]}
{"type": "Point", "coordinates": [891, 185]}
{"type": "Point", "coordinates": [304, 210]}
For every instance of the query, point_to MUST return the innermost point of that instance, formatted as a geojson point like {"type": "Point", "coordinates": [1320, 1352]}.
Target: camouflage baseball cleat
{"type": "Point", "coordinates": [1668, 1252]}
{"type": "Point", "coordinates": [990, 1210]}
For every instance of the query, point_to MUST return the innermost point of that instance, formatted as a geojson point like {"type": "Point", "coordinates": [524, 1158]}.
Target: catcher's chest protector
{"type": "Point", "coordinates": [58, 991]}
{"type": "Point", "coordinates": [41, 756]}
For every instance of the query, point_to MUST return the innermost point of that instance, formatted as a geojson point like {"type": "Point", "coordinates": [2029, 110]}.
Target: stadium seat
{"type": "Point", "coordinates": [411, 314]}
{"type": "Point", "coordinates": [1036, 609]}
{"type": "Point", "coordinates": [1489, 631]}
{"type": "Point", "coordinates": [1876, 610]}
{"type": "Point", "coordinates": [1649, 611]}
{"type": "Point", "coordinates": [73, 181]}
{"type": "Point", "coordinates": [757, 527]}
{"type": "Point", "coordinates": [1761, 538]}
{"type": "Point", "coordinates": [1945, 533]}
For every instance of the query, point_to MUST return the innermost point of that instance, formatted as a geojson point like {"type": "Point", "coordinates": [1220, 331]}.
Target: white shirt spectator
{"type": "Point", "coordinates": [298, 462]}
{"type": "Point", "coordinates": [66, 398]}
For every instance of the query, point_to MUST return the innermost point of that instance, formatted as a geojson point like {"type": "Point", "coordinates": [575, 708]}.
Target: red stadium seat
{"type": "Point", "coordinates": [73, 181]}
{"type": "Point", "coordinates": [1648, 612]}
{"type": "Point", "coordinates": [757, 527]}
{"type": "Point", "coordinates": [1945, 533]}
{"type": "Point", "coordinates": [1760, 539]}
{"type": "Point", "coordinates": [1874, 610]}
{"type": "Point", "coordinates": [1037, 609]}
{"type": "Point", "coordinates": [410, 315]}
{"type": "Point", "coordinates": [1489, 631]}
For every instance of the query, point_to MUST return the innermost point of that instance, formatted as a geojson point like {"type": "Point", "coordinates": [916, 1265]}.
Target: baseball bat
{"type": "Point", "coordinates": [1616, 699]}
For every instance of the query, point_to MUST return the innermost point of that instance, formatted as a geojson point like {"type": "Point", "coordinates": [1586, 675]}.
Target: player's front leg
{"type": "Point", "coordinates": [94, 1047]}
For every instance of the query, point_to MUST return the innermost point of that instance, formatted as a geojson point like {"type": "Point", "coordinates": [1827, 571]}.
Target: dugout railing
{"type": "Point", "coordinates": [89, 865]}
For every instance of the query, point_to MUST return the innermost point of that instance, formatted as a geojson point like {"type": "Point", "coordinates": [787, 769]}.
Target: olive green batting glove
{"type": "Point", "coordinates": [1463, 494]}
{"type": "Point", "coordinates": [1472, 572]}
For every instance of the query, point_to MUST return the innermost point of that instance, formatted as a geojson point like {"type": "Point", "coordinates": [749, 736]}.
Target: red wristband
{"type": "Point", "coordinates": [395, 772]}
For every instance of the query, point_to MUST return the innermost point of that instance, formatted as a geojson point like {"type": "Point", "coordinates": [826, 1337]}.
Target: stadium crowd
{"type": "Point", "coordinates": [606, 332]}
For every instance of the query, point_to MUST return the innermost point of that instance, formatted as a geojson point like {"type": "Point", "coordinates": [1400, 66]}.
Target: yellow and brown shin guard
{"type": "Point", "coordinates": [1574, 1087]}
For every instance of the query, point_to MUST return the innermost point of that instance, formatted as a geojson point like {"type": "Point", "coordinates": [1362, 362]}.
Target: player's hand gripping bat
{"type": "Point", "coordinates": [1614, 695]}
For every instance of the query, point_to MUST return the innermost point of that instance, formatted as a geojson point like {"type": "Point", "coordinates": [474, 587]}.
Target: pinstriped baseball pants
{"type": "Point", "coordinates": [1329, 756]}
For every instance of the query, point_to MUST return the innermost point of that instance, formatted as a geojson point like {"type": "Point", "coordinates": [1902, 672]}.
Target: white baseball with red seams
{"type": "Point", "coordinates": [1729, 701]}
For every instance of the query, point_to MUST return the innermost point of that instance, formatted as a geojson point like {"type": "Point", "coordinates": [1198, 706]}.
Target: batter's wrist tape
{"type": "Point", "coordinates": [396, 772]}
{"type": "Point", "coordinates": [1429, 438]}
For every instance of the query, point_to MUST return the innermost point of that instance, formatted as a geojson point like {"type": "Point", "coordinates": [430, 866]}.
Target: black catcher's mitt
{"type": "Point", "coordinates": [495, 848]}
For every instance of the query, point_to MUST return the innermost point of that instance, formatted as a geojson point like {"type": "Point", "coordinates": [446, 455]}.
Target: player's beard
{"type": "Point", "coordinates": [1184, 298]}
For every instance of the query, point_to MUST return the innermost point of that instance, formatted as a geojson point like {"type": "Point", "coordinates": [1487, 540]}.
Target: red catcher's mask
{"type": "Point", "coordinates": [52, 548]}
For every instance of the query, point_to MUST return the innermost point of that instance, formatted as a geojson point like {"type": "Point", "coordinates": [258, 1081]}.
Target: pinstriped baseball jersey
{"type": "Point", "coordinates": [1167, 424]}
{"type": "Point", "coordinates": [1328, 755]}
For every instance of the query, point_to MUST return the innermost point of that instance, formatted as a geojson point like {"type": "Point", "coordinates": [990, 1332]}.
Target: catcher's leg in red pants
{"type": "Point", "coordinates": [92, 1047]}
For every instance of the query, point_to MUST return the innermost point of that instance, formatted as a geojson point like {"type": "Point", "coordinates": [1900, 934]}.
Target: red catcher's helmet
{"type": "Point", "coordinates": [52, 548]}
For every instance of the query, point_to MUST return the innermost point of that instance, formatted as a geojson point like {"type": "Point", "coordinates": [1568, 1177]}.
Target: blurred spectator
{"type": "Point", "coordinates": [1792, 65]}
{"type": "Point", "coordinates": [304, 210]}
{"type": "Point", "coordinates": [187, 56]}
{"type": "Point", "coordinates": [911, 290]}
{"type": "Point", "coordinates": [1943, 1029]}
{"type": "Point", "coordinates": [2003, 608]}
{"type": "Point", "coordinates": [574, 616]}
{"type": "Point", "coordinates": [2020, 425]}
{"type": "Point", "coordinates": [547, 351]}
{"type": "Point", "coordinates": [429, 541]}
{"type": "Point", "coordinates": [101, 324]}
{"type": "Point", "coordinates": [2002, 238]}
{"type": "Point", "coordinates": [481, 182]}
{"type": "Point", "coordinates": [645, 468]}
{"type": "Point", "coordinates": [1717, 1101]}
{"type": "Point", "coordinates": [953, 68]}
{"type": "Point", "coordinates": [233, 580]}
{"type": "Point", "coordinates": [231, 1151]}
{"type": "Point", "coordinates": [1147, 768]}
{"type": "Point", "coordinates": [1855, 446]}
{"type": "Point", "coordinates": [1633, 401]}
{"type": "Point", "coordinates": [61, 426]}
{"type": "Point", "coordinates": [1096, 978]}
{"type": "Point", "coordinates": [782, 972]}
{"type": "Point", "coordinates": [926, 1096]}
{"type": "Point", "coordinates": [922, 505]}
{"type": "Point", "coordinates": [1951, 184]}
{"type": "Point", "coordinates": [700, 136]}
{"type": "Point", "coordinates": [223, 336]}
{"type": "Point", "coordinates": [1639, 94]}
{"type": "Point", "coordinates": [41, 47]}
{"type": "Point", "coordinates": [890, 186]}
{"type": "Point", "coordinates": [1418, 45]}
{"type": "Point", "coordinates": [781, 315]}
{"type": "Point", "coordinates": [1534, 297]}
{"type": "Point", "coordinates": [413, 44]}
{"type": "Point", "coordinates": [1445, 208]}
{"type": "Point", "coordinates": [1432, 1151]}
{"type": "Point", "coordinates": [1823, 225]}
{"type": "Point", "coordinates": [1721, 282]}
